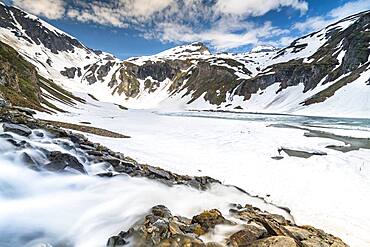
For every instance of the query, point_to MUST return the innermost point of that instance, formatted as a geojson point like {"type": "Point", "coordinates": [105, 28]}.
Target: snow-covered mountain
{"type": "Point", "coordinates": [324, 73]}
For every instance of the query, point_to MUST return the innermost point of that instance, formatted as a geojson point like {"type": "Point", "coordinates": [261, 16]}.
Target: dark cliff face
{"type": "Point", "coordinates": [187, 76]}
{"type": "Point", "coordinates": [214, 82]}
{"type": "Point", "coordinates": [35, 32]}
{"type": "Point", "coordinates": [325, 66]}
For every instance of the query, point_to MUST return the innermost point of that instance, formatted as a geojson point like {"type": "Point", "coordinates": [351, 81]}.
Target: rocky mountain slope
{"type": "Point", "coordinates": [313, 75]}
{"type": "Point", "coordinates": [21, 85]}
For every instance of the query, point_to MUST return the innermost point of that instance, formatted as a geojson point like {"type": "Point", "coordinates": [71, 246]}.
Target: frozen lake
{"type": "Point", "coordinates": [330, 191]}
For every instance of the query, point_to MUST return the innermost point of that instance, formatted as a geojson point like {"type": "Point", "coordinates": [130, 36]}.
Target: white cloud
{"type": "Point", "coordinates": [120, 13]}
{"type": "Point", "coordinates": [103, 15]}
{"type": "Point", "coordinates": [52, 9]}
{"type": "Point", "coordinates": [220, 37]}
{"type": "Point", "coordinates": [144, 8]}
{"type": "Point", "coordinates": [350, 8]}
{"type": "Point", "coordinates": [315, 23]}
{"type": "Point", "coordinates": [221, 23]}
{"type": "Point", "coordinates": [257, 7]}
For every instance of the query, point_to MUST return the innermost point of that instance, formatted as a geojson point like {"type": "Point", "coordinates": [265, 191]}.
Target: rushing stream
{"type": "Point", "coordinates": [40, 208]}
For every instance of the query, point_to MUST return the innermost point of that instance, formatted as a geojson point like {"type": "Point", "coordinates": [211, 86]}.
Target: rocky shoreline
{"type": "Point", "coordinates": [20, 121]}
{"type": "Point", "coordinates": [247, 225]}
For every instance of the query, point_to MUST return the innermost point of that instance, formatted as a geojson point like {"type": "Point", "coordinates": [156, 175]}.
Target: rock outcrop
{"type": "Point", "coordinates": [255, 228]}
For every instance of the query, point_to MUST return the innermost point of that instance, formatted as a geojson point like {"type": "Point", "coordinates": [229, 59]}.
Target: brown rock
{"type": "Point", "coordinates": [208, 220]}
{"type": "Point", "coordinates": [276, 241]}
{"type": "Point", "coordinates": [246, 236]}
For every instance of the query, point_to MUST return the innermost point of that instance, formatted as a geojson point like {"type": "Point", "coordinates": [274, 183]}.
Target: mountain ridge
{"type": "Point", "coordinates": [300, 78]}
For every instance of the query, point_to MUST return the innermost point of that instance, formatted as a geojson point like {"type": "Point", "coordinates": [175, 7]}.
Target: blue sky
{"type": "Point", "coordinates": [142, 27]}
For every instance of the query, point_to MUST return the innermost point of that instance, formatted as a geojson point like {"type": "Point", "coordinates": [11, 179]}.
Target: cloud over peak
{"type": "Point", "coordinates": [222, 24]}
{"type": "Point", "coordinates": [52, 9]}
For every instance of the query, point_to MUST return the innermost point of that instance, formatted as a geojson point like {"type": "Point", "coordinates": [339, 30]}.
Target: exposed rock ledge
{"type": "Point", "coordinates": [248, 226]}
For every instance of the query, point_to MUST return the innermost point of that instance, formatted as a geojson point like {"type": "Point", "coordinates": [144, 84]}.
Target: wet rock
{"type": "Point", "coordinates": [95, 153]}
{"type": "Point", "coordinates": [3, 103]}
{"type": "Point", "coordinates": [182, 240]}
{"type": "Point", "coordinates": [159, 228]}
{"type": "Point", "coordinates": [299, 233]}
{"type": "Point", "coordinates": [17, 129]}
{"type": "Point", "coordinates": [125, 167]}
{"type": "Point", "coordinates": [38, 133]}
{"type": "Point", "coordinates": [161, 211]}
{"type": "Point", "coordinates": [25, 110]}
{"type": "Point", "coordinates": [117, 241]}
{"type": "Point", "coordinates": [59, 161]}
{"type": "Point", "coordinates": [276, 241]}
{"type": "Point", "coordinates": [77, 138]}
{"type": "Point", "coordinates": [29, 161]}
{"type": "Point", "coordinates": [261, 229]}
{"type": "Point", "coordinates": [6, 136]}
{"type": "Point", "coordinates": [208, 220]}
{"type": "Point", "coordinates": [277, 157]}
{"type": "Point", "coordinates": [159, 172]}
{"type": "Point", "coordinates": [105, 175]}
{"type": "Point", "coordinates": [246, 236]}
{"type": "Point", "coordinates": [113, 161]}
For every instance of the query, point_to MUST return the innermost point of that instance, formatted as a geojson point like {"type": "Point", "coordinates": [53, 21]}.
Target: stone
{"type": "Point", "coordinates": [208, 220]}
{"type": "Point", "coordinates": [3, 103]}
{"type": "Point", "coordinates": [299, 233]}
{"type": "Point", "coordinates": [17, 129]}
{"type": "Point", "coordinates": [181, 240]}
{"type": "Point", "coordinates": [246, 236]}
{"type": "Point", "coordinates": [161, 211]}
{"type": "Point", "coordinates": [6, 136]}
{"type": "Point", "coordinates": [59, 161]}
{"type": "Point", "coordinates": [117, 241]}
{"type": "Point", "coordinates": [38, 133]}
{"type": "Point", "coordinates": [316, 243]}
{"type": "Point", "coordinates": [29, 161]}
{"type": "Point", "coordinates": [105, 175]}
{"type": "Point", "coordinates": [77, 138]}
{"type": "Point", "coordinates": [25, 110]}
{"type": "Point", "coordinates": [276, 241]}
{"type": "Point", "coordinates": [159, 172]}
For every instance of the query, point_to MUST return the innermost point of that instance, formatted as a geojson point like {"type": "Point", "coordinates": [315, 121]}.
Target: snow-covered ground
{"type": "Point", "coordinates": [331, 192]}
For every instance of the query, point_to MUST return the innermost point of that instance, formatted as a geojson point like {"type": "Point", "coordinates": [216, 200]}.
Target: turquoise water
{"type": "Point", "coordinates": [276, 118]}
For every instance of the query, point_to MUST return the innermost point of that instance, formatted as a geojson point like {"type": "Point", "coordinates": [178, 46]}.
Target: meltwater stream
{"type": "Point", "coordinates": [40, 208]}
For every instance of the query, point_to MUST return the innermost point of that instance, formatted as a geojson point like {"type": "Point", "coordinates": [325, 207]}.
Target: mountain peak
{"type": "Point", "coordinates": [263, 48]}
{"type": "Point", "coordinates": [196, 48]}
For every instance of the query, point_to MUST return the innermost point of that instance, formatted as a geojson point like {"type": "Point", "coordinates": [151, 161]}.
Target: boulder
{"type": "Point", "coordinates": [3, 103]}
{"type": "Point", "coordinates": [249, 234]}
{"type": "Point", "coordinates": [17, 129]}
{"type": "Point", "coordinates": [208, 220]}
{"type": "Point", "coordinates": [159, 172]}
{"type": "Point", "coordinates": [59, 161]}
{"type": "Point", "coordinates": [276, 241]}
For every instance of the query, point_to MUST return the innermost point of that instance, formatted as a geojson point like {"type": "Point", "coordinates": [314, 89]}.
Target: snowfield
{"type": "Point", "coordinates": [331, 191]}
